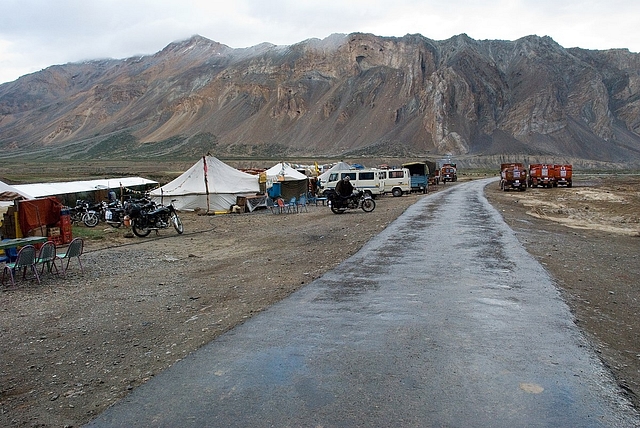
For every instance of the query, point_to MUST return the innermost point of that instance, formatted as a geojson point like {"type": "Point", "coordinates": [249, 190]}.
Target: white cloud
{"type": "Point", "coordinates": [35, 34]}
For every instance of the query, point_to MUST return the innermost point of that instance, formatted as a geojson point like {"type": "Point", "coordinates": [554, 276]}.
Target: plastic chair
{"type": "Point", "coordinates": [302, 204]}
{"type": "Point", "coordinates": [272, 206]}
{"type": "Point", "coordinates": [292, 205]}
{"type": "Point", "coordinates": [26, 259]}
{"type": "Point", "coordinates": [47, 257]}
{"type": "Point", "coordinates": [281, 205]}
{"type": "Point", "coordinates": [10, 254]}
{"type": "Point", "coordinates": [75, 248]}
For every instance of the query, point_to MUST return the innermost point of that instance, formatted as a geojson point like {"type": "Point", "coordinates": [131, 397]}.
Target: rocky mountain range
{"type": "Point", "coordinates": [346, 95]}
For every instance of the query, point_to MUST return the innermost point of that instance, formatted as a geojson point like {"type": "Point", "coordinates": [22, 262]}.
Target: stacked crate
{"type": "Point", "coordinates": [65, 226]}
{"type": "Point", "coordinates": [9, 223]}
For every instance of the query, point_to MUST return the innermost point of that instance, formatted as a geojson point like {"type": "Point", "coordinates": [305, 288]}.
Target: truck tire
{"type": "Point", "coordinates": [396, 192]}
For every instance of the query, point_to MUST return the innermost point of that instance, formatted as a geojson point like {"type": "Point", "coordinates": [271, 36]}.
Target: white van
{"type": "Point", "coordinates": [366, 180]}
{"type": "Point", "coordinates": [395, 181]}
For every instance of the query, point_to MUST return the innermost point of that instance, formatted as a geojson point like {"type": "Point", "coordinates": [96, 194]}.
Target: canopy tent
{"type": "Point", "coordinates": [209, 184]}
{"type": "Point", "coordinates": [289, 182]}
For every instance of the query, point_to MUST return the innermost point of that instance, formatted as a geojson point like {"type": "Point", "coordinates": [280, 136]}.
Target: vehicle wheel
{"type": "Point", "coordinates": [177, 223]}
{"type": "Point", "coordinates": [336, 210]}
{"type": "Point", "coordinates": [139, 231]}
{"type": "Point", "coordinates": [90, 219]}
{"type": "Point", "coordinates": [396, 192]}
{"type": "Point", "coordinates": [568, 184]}
{"type": "Point", "coordinates": [368, 205]}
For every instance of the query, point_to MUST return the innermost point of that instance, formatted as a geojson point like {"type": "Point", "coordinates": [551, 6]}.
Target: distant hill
{"type": "Point", "coordinates": [346, 95]}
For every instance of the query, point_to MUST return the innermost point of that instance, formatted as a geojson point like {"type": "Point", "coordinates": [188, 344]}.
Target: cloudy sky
{"type": "Point", "coordinates": [35, 34]}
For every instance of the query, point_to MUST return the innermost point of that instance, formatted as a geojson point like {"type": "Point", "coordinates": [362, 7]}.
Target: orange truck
{"type": "Point", "coordinates": [563, 175]}
{"type": "Point", "coordinates": [513, 176]}
{"type": "Point", "coordinates": [448, 172]}
{"type": "Point", "coordinates": [541, 175]}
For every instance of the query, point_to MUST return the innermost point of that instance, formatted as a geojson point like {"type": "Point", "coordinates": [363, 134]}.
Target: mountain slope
{"type": "Point", "coordinates": [346, 94]}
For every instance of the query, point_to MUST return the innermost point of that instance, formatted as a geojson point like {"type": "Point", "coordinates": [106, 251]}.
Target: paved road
{"type": "Point", "coordinates": [443, 320]}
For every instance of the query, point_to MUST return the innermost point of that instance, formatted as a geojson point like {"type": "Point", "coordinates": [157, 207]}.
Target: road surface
{"type": "Point", "coordinates": [443, 320]}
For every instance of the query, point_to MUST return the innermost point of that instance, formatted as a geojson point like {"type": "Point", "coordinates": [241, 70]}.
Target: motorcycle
{"type": "Point", "coordinates": [113, 213]}
{"type": "Point", "coordinates": [359, 199]}
{"type": "Point", "coordinates": [86, 213]}
{"type": "Point", "coordinates": [145, 216]}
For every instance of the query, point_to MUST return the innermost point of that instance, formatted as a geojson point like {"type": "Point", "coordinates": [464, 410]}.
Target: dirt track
{"type": "Point", "coordinates": [74, 346]}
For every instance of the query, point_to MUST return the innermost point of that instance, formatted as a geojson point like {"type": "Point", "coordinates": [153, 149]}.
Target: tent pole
{"type": "Point", "coordinates": [206, 180]}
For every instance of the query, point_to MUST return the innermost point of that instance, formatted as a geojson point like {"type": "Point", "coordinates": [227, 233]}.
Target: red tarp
{"type": "Point", "coordinates": [34, 213]}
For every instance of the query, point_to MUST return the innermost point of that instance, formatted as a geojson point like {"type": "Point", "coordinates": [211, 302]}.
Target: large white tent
{"type": "Point", "coordinates": [209, 185]}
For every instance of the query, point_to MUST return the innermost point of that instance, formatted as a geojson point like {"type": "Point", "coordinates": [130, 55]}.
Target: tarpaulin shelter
{"type": "Point", "coordinates": [209, 185]}
{"type": "Point", "coordinates": [9, 193]}
{"type": "Point", "coordinates": [69, 191]}
{"type": "Point", "coordinates": [289, 182]}
{"type": "Point", "coordinates": [35, 215]}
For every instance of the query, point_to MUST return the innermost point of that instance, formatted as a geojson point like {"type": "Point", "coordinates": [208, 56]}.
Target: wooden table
{"type": "Point", "coordinates": [21, 242]}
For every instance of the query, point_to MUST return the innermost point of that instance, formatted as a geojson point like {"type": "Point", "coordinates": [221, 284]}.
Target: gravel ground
{"type": "Point", "coordinates": [73, 346]}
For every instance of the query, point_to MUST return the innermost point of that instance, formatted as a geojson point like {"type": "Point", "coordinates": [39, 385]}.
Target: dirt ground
{"type": "Point", "coordinates": [73, 346]}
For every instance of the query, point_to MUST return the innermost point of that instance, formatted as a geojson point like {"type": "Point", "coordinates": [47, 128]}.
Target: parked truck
{"type": "Point", "coordinates": [541, 175]}
{"type": "Point", "coordinates": [563, 175]}
{"type": "Point", "coordinates": [419, 172]}
{"type": "Point", "coordinates": [513, 176]}
{"type": "Point", "coordinates": [448, 172]}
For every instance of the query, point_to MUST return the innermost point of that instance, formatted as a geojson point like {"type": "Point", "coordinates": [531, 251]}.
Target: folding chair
{"type": "Point", "coordinates": [26, 259]}
{"type": "Point", "coordinates": [74, 249]}
{"type": "Point", "coordinates": [47, 257]}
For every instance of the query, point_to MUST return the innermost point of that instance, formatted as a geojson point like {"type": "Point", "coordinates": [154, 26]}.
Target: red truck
{"type": "Point", "coordinates": [513, 176]}
{"type": "Point", "coordinates": [563, 175]}
{"type": "Point", "coordinates": [541, 175]}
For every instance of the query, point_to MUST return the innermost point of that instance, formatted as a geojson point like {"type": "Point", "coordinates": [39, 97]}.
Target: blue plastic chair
{"type": "Point", "coordinates": [10, 255]}
{"type": "Point", "coordinates": [292, 205]}
{"type": "Point", "coordinates": [302, 204]}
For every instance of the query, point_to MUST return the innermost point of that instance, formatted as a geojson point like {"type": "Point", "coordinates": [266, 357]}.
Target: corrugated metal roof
{"type": "Point", "coordinates": [39, 190]}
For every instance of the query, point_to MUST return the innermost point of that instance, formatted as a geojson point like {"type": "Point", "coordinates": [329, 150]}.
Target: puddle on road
{"type": "Point", "coordinates": [531, 388]}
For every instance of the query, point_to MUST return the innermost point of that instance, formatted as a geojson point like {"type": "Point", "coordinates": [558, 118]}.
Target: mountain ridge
{"type": "Point", "coordinates": [346, 94]}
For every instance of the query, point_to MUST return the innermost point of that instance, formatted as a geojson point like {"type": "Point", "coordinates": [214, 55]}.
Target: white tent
{"type": "Point", "coordinates": [210, 185]}
{"type": "Point", "coordinates": [284, 172]}
{"type": "Point", "coordinates": [340, 166]}
{"type": "Point", "coordinates": [289, 182]}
